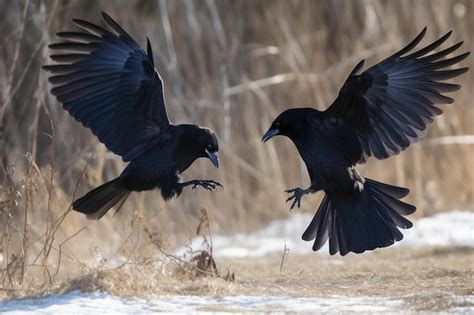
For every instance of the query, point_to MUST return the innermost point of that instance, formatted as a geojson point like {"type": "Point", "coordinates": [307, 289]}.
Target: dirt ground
{"type": "Point", "coordinates": [426, 279]}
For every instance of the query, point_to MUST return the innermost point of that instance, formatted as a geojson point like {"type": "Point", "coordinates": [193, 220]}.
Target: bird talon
{"type": "Point", "coordinates": [295, 198]}
{"type": "Point", "coordinates": [206, 184]}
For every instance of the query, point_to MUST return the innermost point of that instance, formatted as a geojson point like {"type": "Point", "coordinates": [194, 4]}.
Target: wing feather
{"type": "Point", "coordinates": [390, 105]}
{"type": "Point", "coordinates": [106, 81]}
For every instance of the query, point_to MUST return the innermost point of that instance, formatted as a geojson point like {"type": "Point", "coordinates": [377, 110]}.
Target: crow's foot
{"type": "Point", "coordinates": [298, 193]}
{"type": "Point", "coordinates": [206, 184]}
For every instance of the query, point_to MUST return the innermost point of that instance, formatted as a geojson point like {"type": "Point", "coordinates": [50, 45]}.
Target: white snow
{"type": "Point", "coordinates": [445, 229]}
{"type": "Point", "coordinates": [76, 302]}
{"type": "Point", "coordinates": [102, 303]}
{"type": "Point", "coordinates": [268, 240]}
{"type": "Point", "coordinates": [454, 228]}
{"type": "Point", "coordinates": [465, 304]}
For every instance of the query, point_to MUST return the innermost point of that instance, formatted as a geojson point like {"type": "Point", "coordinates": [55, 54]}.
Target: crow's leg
{"type": "Point", "coordinates": [204, 183]}
{"type": "Point", "coordinates": [298, 193]}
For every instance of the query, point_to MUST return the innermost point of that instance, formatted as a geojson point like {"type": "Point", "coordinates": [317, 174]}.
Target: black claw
{"type": "Point", "coordinates": [298, 193]}
{"type": "Point", "coordinates": [292, 205]}
{"type": "Point", "coordinates": [206, 184]}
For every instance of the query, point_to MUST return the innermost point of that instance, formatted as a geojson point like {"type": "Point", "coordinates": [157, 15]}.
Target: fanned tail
{"type": "Point", "coordinates": [360, 221]}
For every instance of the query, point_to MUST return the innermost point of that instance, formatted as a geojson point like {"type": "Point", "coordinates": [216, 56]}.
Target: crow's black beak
{"type": "Point", "coordinates": [214, 157]}
{"type": "Point", "coordinates": [270, 134]}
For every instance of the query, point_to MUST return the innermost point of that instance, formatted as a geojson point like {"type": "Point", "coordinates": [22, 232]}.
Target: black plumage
{"type": "Point", "coordinates": [378, 112]}
{"type": "Point", "coordinates": [106, 81]}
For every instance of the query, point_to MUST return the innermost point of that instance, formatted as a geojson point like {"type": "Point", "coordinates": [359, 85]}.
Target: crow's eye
{"type": "Point", "coordinates": [209, 146]}
{"type": "Point", "coordinates": [277, 124]}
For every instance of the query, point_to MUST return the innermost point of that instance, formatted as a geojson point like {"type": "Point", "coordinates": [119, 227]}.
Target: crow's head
{"type": "Point", "coordinates": [207, 142]}
{"type": "Point", "coordinates": [289, 123]}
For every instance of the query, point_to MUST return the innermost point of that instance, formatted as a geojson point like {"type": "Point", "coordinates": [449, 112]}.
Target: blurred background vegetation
{"type": "Point", "coordinates": [231, 65]}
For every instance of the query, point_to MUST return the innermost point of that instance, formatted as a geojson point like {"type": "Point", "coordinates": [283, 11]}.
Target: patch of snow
{"type": "Point", "coordinates": [102, 303]}
{"type": "Point", "coordinates": [445, 229]}
{"type": "Point", "coordinates": [465, 304]}
{"type": "Point", "coordinates": [76, 302]}
{"type": "Point", "coordinates": [269, 240]}
{"type": "Point", "coordinates": [454, 228]}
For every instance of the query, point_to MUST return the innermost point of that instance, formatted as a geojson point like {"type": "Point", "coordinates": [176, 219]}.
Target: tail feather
{"type": "Point", "coordinates": [323, 230]}
{"type": "Point", "coordinates": [316, 224]}
{"type": "Point", "coordinates": [342, 240]}
{"type": "Point", "coordinates": [333, 238]}
{"type": "Point", "coordinates": [399, 220]}
{"type": "Point", "coordinates": [360, 222]}
{"type": "Point", "coordinates": [400, 207]}
{"type": "Point", "coordinates": [97, 202]}
{"type": "Point", "coordinates": [394, 233]}
{"type": "Point", "coordinates": [377, 232]}
{"type": "Point", "coordinates": [389, 190]}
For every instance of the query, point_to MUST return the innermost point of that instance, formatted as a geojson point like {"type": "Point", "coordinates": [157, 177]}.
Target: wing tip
{"type": "Point", "coordinates": [57, 45]}
{"type": "Point", "coordinates": [91, 27]}
{"type": "Point", "coordinates": [465, 55]}
{"type": "Point", "coordinates": [457, 59]}
{"type": "Point", "coordinates": [448, 100]}
{"type": "Point", "coordinates": [418, 38]}
{"type": "Point", "coordinates": [462, 70]}
{"type": "Point", "coordinates": [107, 18]}
{"type": "Point", "coordinates": [115, 26]}
{"type": "Point", "coordinates": [357, 68]}
{"type": "Point", "coordinates": [422, 34]}
{"type": "Point", "coordinates": [456, 46]}
{"type": "Point", "coordinates": [149, 51]}
{"type": "Point", "coordinates": [443, 38]}
{"type": "Point", "coordinates": [104, 14]}
{"type": "Point", "coordinates": [411, 45]}
{"type": "Point", "coordinates": [78, 21]}
{"type": "Point", "coordinates": [448, 33]}
{"type": "Point", "coordinates": [455, 87]}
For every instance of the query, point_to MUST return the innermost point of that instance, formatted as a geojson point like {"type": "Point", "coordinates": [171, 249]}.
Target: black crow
{"type": "Point", "coordinates": [106, 81]}
{"type": "Point", "coordinates": [378, 112]}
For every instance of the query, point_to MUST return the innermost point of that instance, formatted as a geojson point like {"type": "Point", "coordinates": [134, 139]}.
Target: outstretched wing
{"type": "Point", "coordinates": [109, 83]}
{"type": "Point", "coordinates": [388, 106]}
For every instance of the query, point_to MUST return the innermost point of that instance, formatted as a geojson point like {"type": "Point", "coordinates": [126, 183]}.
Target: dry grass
{"type": "Point", "coordinates": [426, 279]}
{"type": "Point", "coordinates": [232, 66]}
